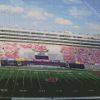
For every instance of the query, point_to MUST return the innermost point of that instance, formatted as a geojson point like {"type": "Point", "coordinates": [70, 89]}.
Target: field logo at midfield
{"type": "Point", "coordinates": [98, 72]}
{"type": "Point", "coordinates": [52, 79]}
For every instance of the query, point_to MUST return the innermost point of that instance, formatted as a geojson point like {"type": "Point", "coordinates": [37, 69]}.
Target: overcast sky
{"type": "Point", "coordinates": [78, 16]}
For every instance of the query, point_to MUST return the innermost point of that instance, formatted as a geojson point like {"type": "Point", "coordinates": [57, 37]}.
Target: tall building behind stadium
{"type": "Point", "coordinates": [27, 47]}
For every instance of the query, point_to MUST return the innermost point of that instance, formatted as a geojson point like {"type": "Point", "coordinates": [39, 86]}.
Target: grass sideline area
{"type": "Point", "coordinates": [32, 82]}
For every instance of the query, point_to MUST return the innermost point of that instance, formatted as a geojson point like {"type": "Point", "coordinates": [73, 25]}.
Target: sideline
{"type": "Point", "coordinates": [46, 70]}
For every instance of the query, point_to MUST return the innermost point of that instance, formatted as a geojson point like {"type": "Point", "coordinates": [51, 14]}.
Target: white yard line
{"type": "Point", "coordinates": [6, 83]}
{"type": "Point", "coordinates": [79, 73]}
{"type": "Point", "coordinates": [92, 78]}
{"type": "Point", "coordinates": [3, 75]}
{"type": "Point", "coordinates": [15, 83]}
{"type": "Point", "coordinates": [31, 83]}
{"type": "Point", "coordinates": [76, 79]}
{"type": "Point", "coordinates": [64, 79]}
{"type": "Point", "coordinates": [47, 83]}
{"type": "Point", "coordinates": [60, 98]}
{"type": "Point", "coordinates": [23, 83]}
{"type": "Point", "coordinates": [70, 73]}
{"type": "Point", "coordinates": [55, 85]}
{"type": "Point", "coordinates": [63, 86]}
{"type": "Point", "coordinates": [39, 84]}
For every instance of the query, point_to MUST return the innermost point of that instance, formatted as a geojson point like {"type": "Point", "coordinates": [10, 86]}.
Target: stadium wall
{"type": "Point", "coordinates": [54, 52]}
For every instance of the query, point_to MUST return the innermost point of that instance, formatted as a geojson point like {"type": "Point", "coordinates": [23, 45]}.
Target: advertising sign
{"type": "Point", "coordinates": [46, 60]}
{"type": "Point", "coordinates": [97, 64]}
{"type": "Point", "coordinates": [81, 62]}
{"type": "Point", "coordinates": [77, 62]}
{"type": "Point", "coordinates": [37, 60]}
{"type": "Point", "coordinates": [10, 59]}
{"type": "Point", "coordinates": [41, 60]}
{"type": "Point", "coordinates": [28, 59]}
{"type": "Point", "coordinates": [20, 59]}
{"type": "Point", "coordinates": [41, 53]}
{"type": "Point", "coordinates": [44, 66]}
{"type": "Point", "coordinates": [55, 60]}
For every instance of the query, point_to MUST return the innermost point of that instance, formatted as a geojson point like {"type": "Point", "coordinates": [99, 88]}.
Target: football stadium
{"type": "Point", "coordinates": [36, 65]}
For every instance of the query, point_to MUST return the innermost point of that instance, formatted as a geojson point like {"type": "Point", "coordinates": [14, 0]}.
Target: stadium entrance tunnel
{"type": "Point", "coordinates": [78, 66]}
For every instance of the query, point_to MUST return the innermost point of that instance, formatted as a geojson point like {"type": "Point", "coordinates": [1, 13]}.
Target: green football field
{"type": "Point", "coordinates": [32, 82]}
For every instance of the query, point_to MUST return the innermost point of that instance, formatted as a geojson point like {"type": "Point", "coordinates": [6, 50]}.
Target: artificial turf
{"type": "Point", "coordinates": [32, 82]}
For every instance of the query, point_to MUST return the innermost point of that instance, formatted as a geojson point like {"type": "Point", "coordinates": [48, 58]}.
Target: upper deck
{"type": "Point", "coordinates": [67, 38]}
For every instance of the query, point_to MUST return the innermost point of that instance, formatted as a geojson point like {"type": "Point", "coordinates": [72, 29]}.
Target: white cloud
{"type": "Point", "coordinates": [40, 17]}
{"type": "Point", "coordinates": [94, 26]}
{"type": "Point", "coordinates": [34, 23]}
{"type": "Point", "coordinates": [17, 9]}
{"type": "Point", "coordinates": [63, 21]}
{"type": "Point", "coordinates": [3, 7]}
{"type": "Point", "coordinates": [77, 27]}
{"type": "Point", "coordinates": [75, 11]}
{"type": "Point", "coordinates": [72, 1]}
{"type": "Point", "coordinates": [36, 14]}
{"type": "Point", "coordinates": [16, 25]}
{"type": "Point", "coordinates": [25, 23]}
{"type": "Point", "coordinates": [23, 15]}
{"type": "Point", "coordinates": [10, 8]}
{"type": "Point", "coordinates": [48, 15]}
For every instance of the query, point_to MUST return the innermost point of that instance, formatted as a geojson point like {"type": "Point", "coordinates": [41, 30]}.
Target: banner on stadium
{"type": "Point", "coordinates": [55, 60]}
{"type": "Point", "coordinates": [41, 60]}
{"type": "Point", "coordinates": [81, 62]}
{"type": "Point", "coordinates": [28, 59]}
{"type": "Point", "coordinates": [20, 59]}
{"type": "Point", "coordinates": [97, 64]}
{"type": "Point", "coordinates": [37, 60]}
{"type": "Point", "coordinates": [92, 63]}
{"type": "Point", "coordinates": [41, 53]}
{"type": "Point", "coordinates": [77, 62]}
{"type": "Point", "coordinates": [31, 65]}
{"type": "Point", "coordinates": [10, 59]}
